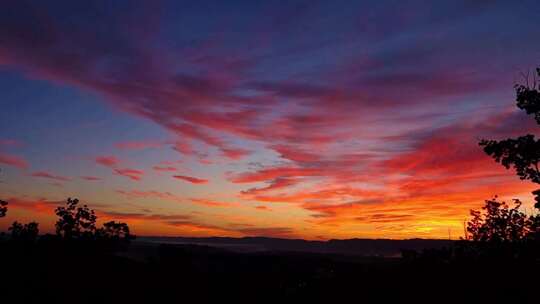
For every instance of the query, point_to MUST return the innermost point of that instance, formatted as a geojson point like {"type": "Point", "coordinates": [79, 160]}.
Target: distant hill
{"type": "Point", "coordinates": [363, 247]}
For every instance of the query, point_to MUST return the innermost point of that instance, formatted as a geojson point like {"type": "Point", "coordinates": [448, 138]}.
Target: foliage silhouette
{"type": "Point", "coordinates": [3, 208]}
{"type": "Point", "coordinates": [24, 232]}
{"type": "Point", "coordinates": [75, 222]}
{"type": "Point", "coordinates": [114, 231]}
{"type": "Point", "coordinates": [499, 223]}
{"type": "Point", "coordinates": [522, 153]}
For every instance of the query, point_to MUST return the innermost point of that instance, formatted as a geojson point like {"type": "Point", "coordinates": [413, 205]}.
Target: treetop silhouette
{"type": "Point", "coordinates": [24, 232]}
{"type": "Point", "coordinates": [79, 222]}
{"type": "Point", "coordinates": [522, 153]}
{"type": "Point", "coordinates": [499, 223]}
{"type": "Point", "coordinates": [3, 208]}
{"type": "Point", "coordinates": [75, 221]}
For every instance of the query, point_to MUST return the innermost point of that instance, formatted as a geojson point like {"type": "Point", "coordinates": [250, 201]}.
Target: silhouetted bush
{"type": "Point", "coordinates": [499, 223]}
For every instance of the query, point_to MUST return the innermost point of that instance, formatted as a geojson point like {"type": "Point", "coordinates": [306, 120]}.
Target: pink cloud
{"type": "Point", "coordinates": [235, 154]}
{"type": "Point", "coordinates": [91, 178]}
{"type": "Point", "coordinates": [276, 184]}
{"type": "Point", "coordinates": [14, 161]}
{"type": "Point", "coordinates": [44, 174]}
{"type": "Point", "coordinates": [132, 174]}
{"type": "Point", "coordinates": [107, 161]}
{"type": "Point", "coordinates": [190, 179]}
{"type": "Point", "coordinates": [164, 168]}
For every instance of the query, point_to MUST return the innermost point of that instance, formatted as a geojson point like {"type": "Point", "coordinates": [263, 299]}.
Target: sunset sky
{"type": "Point", "coordinates": [313, 119]}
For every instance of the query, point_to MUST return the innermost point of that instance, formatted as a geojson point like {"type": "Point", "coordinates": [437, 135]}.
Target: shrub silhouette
{"type": "Point", "coordinates": [24, 232]}
{"type": "Point", "coordinates": [75, 222]}
{"type": "Point", "coordinates": [499, 223]}
{"type": "Point", "coordinates": [3, 208]}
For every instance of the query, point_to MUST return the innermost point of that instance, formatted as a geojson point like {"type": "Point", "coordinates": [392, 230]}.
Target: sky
{"type": "Point", "coordinates": [294, 119]}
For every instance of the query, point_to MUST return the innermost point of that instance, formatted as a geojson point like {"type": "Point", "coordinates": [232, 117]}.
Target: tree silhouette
{"type": "Point", "coordinates": [114, 231]}
{"type": "Point", "coordinates": [3, 208]}
{"type": "Point", "coordinates": [24, 232]}
{"type": "Point", "coordinates": [522, 153]}
{"type": "Point", "coordinates": [75, 222]}
{"type": "Point", "coordinates": [499, 222]}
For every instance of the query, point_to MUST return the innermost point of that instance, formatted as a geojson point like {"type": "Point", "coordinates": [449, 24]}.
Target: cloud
{"type": "Point", "coordinates": [14, 161]}
{"type": "Point", "coordinates": [277, 232]}
{"type": "Point", "coordinates": [113, 162]}
{"type": "Point", "coordinates": [211, 203]}
{"type": "Point", "coordinates": [133, 216]}
{"type": "Point", "coordinates": [91, 178]}
{"type": "Point", "coordinates": [276, 184]}
{"type": "Point", "coordinates": [132, 174]}
{"type": "Point", "coordinates": [394, 122]}
{"type": "Point", "coordinates": [164, 169]}
{"type": "Point", "coordinates": [190, 179]}
{"type": "Point", "coordinates": [40, 205]}
{"type": "Point", "coordinates": [236, 153]}
{"type": "Point", "coordinates": [137, 194]}
{"type": "Point", "coordinates": [45, 174]}
{"type": "Point", "coordinates": [275, 173]}
{"type": "Point", "coordinates": [138, 145]}
{"type": "Point", "coordinates": [264, 208]}
{"type": "Point", "coordinates": [107, 161]}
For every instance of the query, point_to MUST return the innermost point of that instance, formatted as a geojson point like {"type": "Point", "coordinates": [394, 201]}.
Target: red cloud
{"type": "Point", "coordinates": [278, 183]}
{"type": "Point", "coordinates": [190, 179]}
{"type": "Point", "coordinates": [235, 153]}
{"type": "Point", "coordinates": [113, 162]}
{"type": "Point", "coordinates": [366, 104]}
{"type": "Point", "coordinates": [12, 160]}
{"type": "Point", "coordinates": [36, 205]}
{"type": "Point", "coordinates": [43, 174]}
{"type": "Point", "coordinates": [263, 208]}
{"type": "Point", "coordinates": [91, 178]}
{"type": "Point", "coordinates": [160, 168]}
{"type": "Point", "coordinates": [133, 174]}
{"type": "Point", "coordinates": [107, 161]}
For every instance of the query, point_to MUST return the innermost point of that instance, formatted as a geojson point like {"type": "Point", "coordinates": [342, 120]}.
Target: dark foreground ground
{"type": "Point", "coordinates": [151, 273]}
